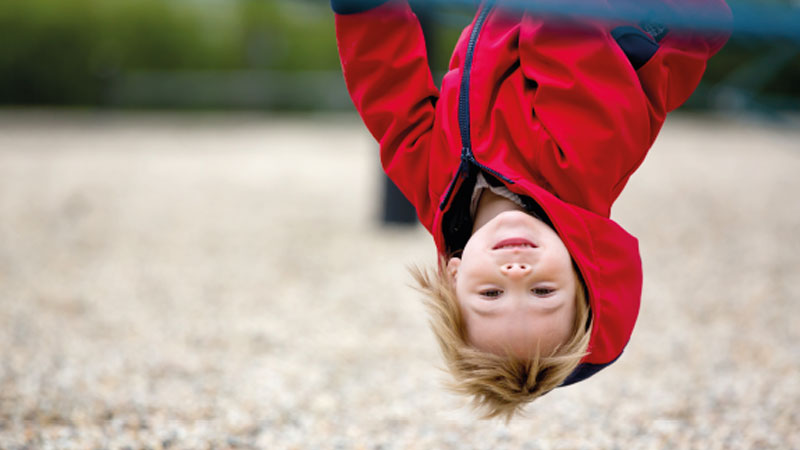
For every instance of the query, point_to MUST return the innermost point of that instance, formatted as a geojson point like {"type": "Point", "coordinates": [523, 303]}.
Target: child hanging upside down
{"type": "Point", "coordinates": [513, 166]}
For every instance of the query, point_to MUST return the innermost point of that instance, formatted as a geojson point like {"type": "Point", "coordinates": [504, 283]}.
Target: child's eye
{"type": "Point", "coordinates": [491, 293]}
{"type": "Point", "coordinates": [542, 291]}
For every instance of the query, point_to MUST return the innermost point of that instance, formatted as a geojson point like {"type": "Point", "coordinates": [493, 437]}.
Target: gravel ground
{"type": "Point", "coordinates": [220, 281]}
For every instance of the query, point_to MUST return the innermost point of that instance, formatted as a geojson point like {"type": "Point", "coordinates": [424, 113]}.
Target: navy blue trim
{"type": "Point", "coordinates": [354, 6]}
{"type": "Point", "coordinates": [463, 108]}
{"type": "Point", "coordinates": [463, 103]}
{"type": "Point", "coordinates": [584, 371]}
{"type": "Point", "coordinates": [492, 171]}
{"type": "Point", "coordinates": [655, 29]}
{"type": "Point", "coordinates": [463, 170]}
{"type": "Point", "coordinates": [638, 46]}
{"type": "Point", "coordinates": [463, 93]}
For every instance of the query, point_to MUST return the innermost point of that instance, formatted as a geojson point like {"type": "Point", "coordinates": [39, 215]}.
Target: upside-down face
{"type": "Point", "coordinates": [516, 286]}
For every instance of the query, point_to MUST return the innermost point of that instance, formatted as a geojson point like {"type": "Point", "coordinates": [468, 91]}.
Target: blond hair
{"type": "Point", "coordinates": [499, 385]}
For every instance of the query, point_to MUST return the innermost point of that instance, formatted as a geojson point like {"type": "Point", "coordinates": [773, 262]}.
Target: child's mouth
{"type": "Point", "coordinates": [514, 243]}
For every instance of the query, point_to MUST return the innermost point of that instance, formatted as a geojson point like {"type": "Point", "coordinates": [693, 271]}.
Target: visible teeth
{"type": "Point", "coordinates": [516, 245]}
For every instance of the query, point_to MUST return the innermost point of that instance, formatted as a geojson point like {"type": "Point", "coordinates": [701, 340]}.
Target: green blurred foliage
{"type": "Point", "coordinates": [756, 64]}
{"type": "Point", "coordinates": [61, 52]}
{"type": "Point", "coordinates": [68, 52]}
{"type": "Point", "coordinates": [74, 52]}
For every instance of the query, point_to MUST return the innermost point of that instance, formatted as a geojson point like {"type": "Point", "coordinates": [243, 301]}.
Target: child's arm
{"type": "Point", "coordinates": [601, 111]}
{"type": "Point", "coordinates": [386, 69]}
{"type": "Point", "coordinates": [674, 71]}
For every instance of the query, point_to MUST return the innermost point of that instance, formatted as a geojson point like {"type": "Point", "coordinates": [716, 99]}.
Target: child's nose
{"type": "Point", "coordinates": [516, 269]}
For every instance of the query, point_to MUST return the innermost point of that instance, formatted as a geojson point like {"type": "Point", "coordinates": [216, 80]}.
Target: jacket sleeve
{"type": "Point", "coordinates": [386, 70]}
{"type": "Point", "coordinates": [602, 105]}
{"type": "Point", "coordinates": [674, 71]}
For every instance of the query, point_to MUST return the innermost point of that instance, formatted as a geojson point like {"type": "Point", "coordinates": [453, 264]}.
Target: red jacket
{"type": "Point", "coordinates": [560, 112]}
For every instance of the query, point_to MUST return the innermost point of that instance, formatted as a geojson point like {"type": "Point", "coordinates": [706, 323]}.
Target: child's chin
{"type": "Point", "coordinates": [514, 217]}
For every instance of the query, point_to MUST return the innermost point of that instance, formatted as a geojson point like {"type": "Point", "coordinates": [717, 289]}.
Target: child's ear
{"type": "Point", "coordinates": [452, 266]}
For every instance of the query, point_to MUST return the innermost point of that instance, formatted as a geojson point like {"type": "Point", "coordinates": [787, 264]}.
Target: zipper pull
{"type": "Point", "coordinates": [466, 158]}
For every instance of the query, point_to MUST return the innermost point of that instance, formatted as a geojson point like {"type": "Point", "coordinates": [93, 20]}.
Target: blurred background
{"type": "Point", "coordinates": [281, 55]}
{"type": "Point", "coordinates": [195, 247]}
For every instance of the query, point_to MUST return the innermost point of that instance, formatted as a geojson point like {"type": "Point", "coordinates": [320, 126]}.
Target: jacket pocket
{"type": "Point", "coordinates": [638, 46]}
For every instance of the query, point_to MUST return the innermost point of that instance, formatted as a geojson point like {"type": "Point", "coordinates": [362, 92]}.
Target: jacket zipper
{"type": "Point", "coordinates": [467, 156]}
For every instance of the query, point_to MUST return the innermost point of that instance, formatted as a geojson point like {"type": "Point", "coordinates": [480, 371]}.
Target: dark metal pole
{"type": "Point", "coordinates": [397, 210]}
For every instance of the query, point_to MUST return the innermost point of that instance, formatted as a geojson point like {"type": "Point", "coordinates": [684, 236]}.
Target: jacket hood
{"type": "Point", "coordinates": [608, 259]}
